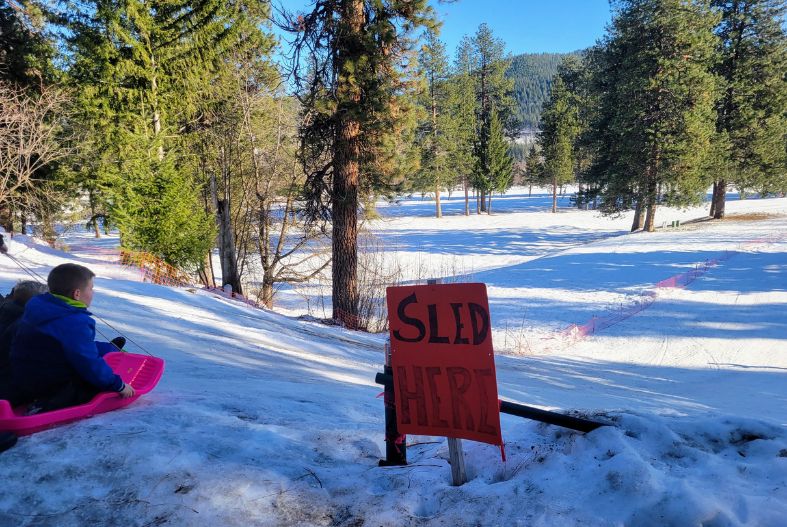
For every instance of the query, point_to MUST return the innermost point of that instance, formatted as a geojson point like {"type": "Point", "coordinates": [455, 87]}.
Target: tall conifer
{"type": "Point", "coordinates": [463, 107]}
{"type": "Point", "coordinates": [559, 129]}
{"type": "Point", "coordinates": [142, 68]}
{"type": "Point", "coordinates": [351, 61]}
{"type": "Point", "coordinates": [435, 130]}
{"type": "Point", "coordinates": [752, 109]}
{"type": "Point", "coordinates": [658, 107]}
{"type": "Point", "coordinates": [494, 95]}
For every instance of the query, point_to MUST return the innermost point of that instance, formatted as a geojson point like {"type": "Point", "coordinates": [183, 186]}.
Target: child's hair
{"type": "Point", "coordinates": [27, 289]}
{"type": "Point", "coordinates": [68, 277]}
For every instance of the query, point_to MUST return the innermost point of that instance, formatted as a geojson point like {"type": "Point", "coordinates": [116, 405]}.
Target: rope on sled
{"type": "Point", "coordinates": [37, 277]}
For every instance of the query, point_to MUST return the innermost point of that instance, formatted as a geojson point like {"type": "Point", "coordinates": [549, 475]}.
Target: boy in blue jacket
{"type": "Point", "coordinates": [55, 359]}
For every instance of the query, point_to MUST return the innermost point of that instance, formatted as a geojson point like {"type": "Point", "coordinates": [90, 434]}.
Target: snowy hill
{"type": "Point", "coordinates": [266, 419]}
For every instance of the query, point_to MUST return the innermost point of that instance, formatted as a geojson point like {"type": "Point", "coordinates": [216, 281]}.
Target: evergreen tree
{"type": "Point", "coordinates": [560, 127]}
{"type": "Point", "coordinates": [533, 169]}
{"type": "Point", "coordinates": [494, 159]}
{"type": "Point", "coordinates": [26, 49]}
{"type": "Point", "coordinates": [142, 68]}
{"type": "Point", "coordinates": [656, 115]}
{"type": "Point", "coordinates": [161, 211]}
{"type": "Point", "coordinates": [493, 96]}
{"type": "Point", "coordinates": [348, 65]}
{"type": "Point", "coordinates": [463, 106]}
{"type": "Point", "coordinates": [752, 109]}
{"type": "Point", "coordinates": [435, 132]}
{"type": "Point", "coordinates": [501, 163]}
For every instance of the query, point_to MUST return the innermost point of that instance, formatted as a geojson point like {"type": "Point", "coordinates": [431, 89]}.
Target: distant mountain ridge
{"type": "Point", "coordinates": [532, 74]}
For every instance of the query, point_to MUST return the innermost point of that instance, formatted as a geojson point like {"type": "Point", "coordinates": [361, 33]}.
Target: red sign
{"type": "Point", "coordinates": [443, 363]}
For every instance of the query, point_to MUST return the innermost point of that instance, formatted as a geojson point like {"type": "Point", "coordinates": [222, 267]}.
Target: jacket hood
{"type": "Point", "coordinates": [45, 308]}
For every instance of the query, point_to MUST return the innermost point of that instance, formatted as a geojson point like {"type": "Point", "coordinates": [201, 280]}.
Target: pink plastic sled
{"type": "Point", "coordinates": [140, 371]}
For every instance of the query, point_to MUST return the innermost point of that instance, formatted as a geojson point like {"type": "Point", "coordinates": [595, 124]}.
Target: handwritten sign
{"type": "Point", "coordinates": [443, 362]}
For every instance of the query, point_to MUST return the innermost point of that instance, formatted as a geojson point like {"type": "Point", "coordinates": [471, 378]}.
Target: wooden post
{"type": "Point", "coordinates": [395, 443]}
{"type": "Point", "coordinates": [457, 459]}
{"type": "Point", "coordinates": [455, 454]}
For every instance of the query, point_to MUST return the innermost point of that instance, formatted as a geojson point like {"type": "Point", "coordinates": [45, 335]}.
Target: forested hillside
{"type": "Point", "coordinates": [532, 74]}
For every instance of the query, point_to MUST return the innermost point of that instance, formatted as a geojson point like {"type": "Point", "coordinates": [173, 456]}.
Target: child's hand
{"type": "Point", "coordinates": [127, 391]}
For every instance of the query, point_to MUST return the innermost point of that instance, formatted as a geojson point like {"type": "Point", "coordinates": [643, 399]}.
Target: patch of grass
{"type": "Point", "coordinates": [751, 216]}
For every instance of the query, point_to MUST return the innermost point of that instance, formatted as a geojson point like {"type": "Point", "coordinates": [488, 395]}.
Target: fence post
{"type": "Point", "coordinates": [457, 458]}
{"type": "Point", "coordinates": [395, 443]}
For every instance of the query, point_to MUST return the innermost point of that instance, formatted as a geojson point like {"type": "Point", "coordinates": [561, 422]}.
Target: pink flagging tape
{"type": "Point", "coordinates": [596, 324]}
{"type": "Point", "coordinates": [646, 298]}
{"type": "Point", "coordinates": [643, 301]}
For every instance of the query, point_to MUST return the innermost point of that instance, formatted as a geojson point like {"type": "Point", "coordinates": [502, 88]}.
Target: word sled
{"type": "Point", "coordinates": [442, 361]}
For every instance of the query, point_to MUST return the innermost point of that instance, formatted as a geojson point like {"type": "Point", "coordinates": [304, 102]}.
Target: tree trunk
{"type": "Point", "coordinates": [7, 219]}
{"type": "Point", "coordinates": [554, 194]}
{"type": "Point", "coordinates": [530, 190]}
{"type": "Point", "coordinates": [467, 197]}
{"type": "Point", "coordinates": [227, 253]}
{"type": "Point", "coordinates": [93, 216]}
{"type": "Point", "coordinates": [229, 262]}
{"type": "Point", "coordinates": [650, 218]}
{"type": "Point", "coordinates": [489, 205]}
{"type": "Point", "coordinates": [346, 172]}
{"type": "Point", "coordinates": [266, 296]}
{"type": "Point", "coordinates": [345, 223]}
{"type": "Point", "coordinates": [482, 193]}
{"type": "Point", "coordinates": [205, 271]}
{"type": "Point", "coordinates": [719, 199]}
{"type": "Point", "coordinates": [156, 112]}
{"type": "Point", "coordinates": [638, 222]}
{"type": "Point", "coordinates": [438, 210]}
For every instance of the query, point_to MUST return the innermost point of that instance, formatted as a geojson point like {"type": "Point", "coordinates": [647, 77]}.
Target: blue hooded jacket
{"type": "Point", "coordinates": [54, 342]}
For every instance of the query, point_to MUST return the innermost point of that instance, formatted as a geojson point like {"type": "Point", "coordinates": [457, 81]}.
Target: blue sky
{"type": "Point", "coordinates": [526, 26]}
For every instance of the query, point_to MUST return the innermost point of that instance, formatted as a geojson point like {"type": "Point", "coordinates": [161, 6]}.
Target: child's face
{"type": "Point", "coordinates": [85, 294]}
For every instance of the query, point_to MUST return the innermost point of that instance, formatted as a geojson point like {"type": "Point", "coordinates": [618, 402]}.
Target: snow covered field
{"type": "Point", "coordinates": [265, 419]}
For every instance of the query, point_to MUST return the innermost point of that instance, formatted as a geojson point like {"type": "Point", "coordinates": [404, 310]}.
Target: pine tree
{"type": "Point", "coordinates": [533, 169]}
{"type": "Point", "coordinates": [161, 211]}
{"type": "Point", "coordinates": [752, 110]}
{"type": "Point", "coordinates": [559, 130]}
{"type": "Point", "coordinates": [349, 81]}
{"type": "Point", "coordinates": [493, 96]}
{"type": "Point", "coordinates": [435, 132]}
{"type": "Point", "coordinates": [656, 116]}
{"type": "Point", "coordinates": [27, 51]}
{"type": "Point", "coordinates": [501, 163]}
{"type": "Point", "coordinates": [142, 68]}
{"type": "Point", "coordinates": [463, 107]}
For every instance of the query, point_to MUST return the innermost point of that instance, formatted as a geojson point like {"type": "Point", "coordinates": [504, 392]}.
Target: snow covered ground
{"type": "Point", "coordinates": [265, 419]}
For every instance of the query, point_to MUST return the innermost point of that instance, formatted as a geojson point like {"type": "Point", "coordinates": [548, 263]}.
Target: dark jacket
{"type": "Point", "coordinates": [10, 313]}
{"type": "Point", "coordinates": [54, 343]}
